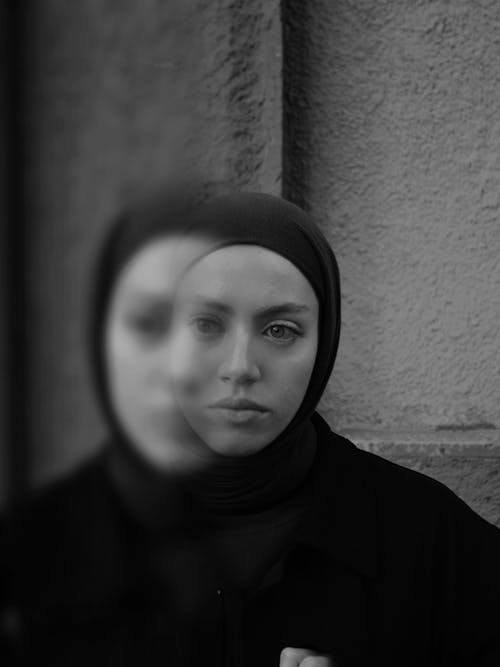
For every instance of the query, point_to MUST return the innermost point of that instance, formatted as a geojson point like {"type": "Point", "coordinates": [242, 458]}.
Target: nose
{"type": "Point", "coordinates": [240, 367]}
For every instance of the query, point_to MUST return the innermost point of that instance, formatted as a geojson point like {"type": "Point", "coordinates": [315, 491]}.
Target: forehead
{"type": "Point", "coordinates": [157, 266]}
{"type": "Point", "coordinates": [247, 272]}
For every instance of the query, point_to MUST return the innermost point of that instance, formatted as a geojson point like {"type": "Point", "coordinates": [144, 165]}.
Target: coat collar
{"type": "Point", "coordinates": [341, 519]}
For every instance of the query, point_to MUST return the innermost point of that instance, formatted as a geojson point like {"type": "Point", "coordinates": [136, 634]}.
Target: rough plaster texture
{"type": "Point", "coordinates": [120, 96]}
{"type": "Point", "coordinates": [392, 137]}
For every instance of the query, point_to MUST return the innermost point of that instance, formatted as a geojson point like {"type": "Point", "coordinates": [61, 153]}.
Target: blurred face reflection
{"type": "Point", "coordinates": [246, 346]}
{"type": "Point", "coordinates": [138, 340]}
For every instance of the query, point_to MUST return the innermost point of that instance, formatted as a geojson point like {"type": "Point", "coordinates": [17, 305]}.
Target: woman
{"type": "Point", "coordinates": [335, 551]}
{"type": "Point", "coordinates": [231, 526]}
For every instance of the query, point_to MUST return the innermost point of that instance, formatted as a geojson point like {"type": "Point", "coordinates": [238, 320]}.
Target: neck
{"type": "Point", "coordinates": [226, 486]}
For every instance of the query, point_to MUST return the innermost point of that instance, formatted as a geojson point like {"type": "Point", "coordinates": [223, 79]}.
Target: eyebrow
{"type": "Point", "coordinates": [149, 299]}
{"type": "Point", "coordinates": [289, 307]}
{"type": "Point", "coordinates": [266, 311]}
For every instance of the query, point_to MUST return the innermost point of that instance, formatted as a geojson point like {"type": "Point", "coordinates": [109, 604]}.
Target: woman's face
{"type": "Point", "coordinates": [137, 352]}
{"type": "Point", "coordinates": [246, 340]}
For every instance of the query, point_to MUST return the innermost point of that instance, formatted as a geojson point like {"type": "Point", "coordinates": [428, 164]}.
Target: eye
{"type": "Point", "coordinates": [149, 325]}
{"type": "Point", "coordinates": [206, 327]}
{"type": "Point", "coordinates": [282, 333]}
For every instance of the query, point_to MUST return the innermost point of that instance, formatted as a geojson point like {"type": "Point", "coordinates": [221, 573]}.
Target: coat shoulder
{"type": "Point", "coordinates": [397, 490]}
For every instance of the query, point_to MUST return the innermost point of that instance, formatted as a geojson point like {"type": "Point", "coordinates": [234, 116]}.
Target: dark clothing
{"type": "Point", "coordinates": [387, 567]}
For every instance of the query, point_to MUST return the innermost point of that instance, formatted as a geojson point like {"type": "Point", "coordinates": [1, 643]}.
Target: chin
{"type": "Point", "coordinates": [232, 447]}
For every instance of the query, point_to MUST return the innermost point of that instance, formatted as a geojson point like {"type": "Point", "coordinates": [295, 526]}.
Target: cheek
{"type": "Point", "coordinates": [128, 374]}
{"type": "Point", "coordinates": [292, 378]}
{"type": "Point", "coordinates": [292, 385]}
{"type": "Point", "coordinates": [195, 368]}
{"type": "Point", "coordinates": [296, 365]}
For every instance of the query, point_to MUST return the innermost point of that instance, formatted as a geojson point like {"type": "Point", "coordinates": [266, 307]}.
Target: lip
{"type": "Point", "coordinates": [240, 412]}
{"type": "Point", "coordinates": [239, 405]}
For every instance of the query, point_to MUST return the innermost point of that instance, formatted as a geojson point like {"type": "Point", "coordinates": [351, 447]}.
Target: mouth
{"type": "Point", "coordinates": [239, 410]}
{"type": "Point", "coordinates": [239, 404]}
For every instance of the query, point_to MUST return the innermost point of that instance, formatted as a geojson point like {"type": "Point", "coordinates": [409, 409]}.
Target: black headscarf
{"type": "Point", "coordinates": [258, 481]}
{"type": "Point", "coordinates": [278, 225]}
{"type": "Point", "coordinates": [228, 485]}
{"type": "Point", "coordinates": [178, 517]}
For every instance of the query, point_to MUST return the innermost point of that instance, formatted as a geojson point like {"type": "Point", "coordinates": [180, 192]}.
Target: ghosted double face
{"type": "Point", "coordinates": [138, 347]}
{"type": "Point", "coordinates": [208, 351]}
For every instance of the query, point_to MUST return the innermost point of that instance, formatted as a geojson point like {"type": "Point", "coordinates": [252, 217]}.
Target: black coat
{"type": "Point", "coordinates": [387, 568]}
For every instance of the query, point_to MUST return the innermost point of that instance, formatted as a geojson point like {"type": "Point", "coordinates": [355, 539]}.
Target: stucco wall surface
{"type": "Point", "coordinates": [393, 140]}
{"type": "Point", "coordinates": [118, 97]}
{"type": "Point", "coordinates": [400, 132]}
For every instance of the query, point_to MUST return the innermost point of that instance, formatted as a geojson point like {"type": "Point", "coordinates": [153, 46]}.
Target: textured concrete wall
{"type": "Point", "coordinates": [119, 96]}
{"type": "Point", "coordinates": [393, 138]}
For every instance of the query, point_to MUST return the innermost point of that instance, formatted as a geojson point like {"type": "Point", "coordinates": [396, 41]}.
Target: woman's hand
{"type": "Point", "coordinates": [303, 657]}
